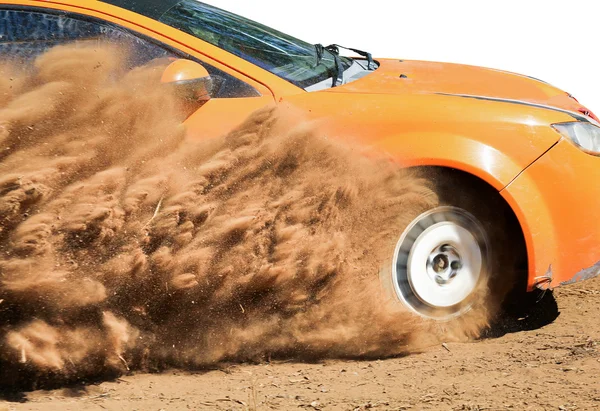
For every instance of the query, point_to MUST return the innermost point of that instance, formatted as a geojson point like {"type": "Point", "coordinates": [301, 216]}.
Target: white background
{"type": "Point", "coordinates": [557, 41]}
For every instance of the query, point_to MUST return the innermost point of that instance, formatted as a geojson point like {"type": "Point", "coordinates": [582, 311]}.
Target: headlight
{"type": "Point", "coordinates": [584, 135]}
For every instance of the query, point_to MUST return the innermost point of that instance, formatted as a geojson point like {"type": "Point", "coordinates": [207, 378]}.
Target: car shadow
{"type": "Point", "coordinates": [12, 396]}
{"type": "Point", "coordinates": [535, 312]}
{"type": "Point", "coordinates": [15, 384]}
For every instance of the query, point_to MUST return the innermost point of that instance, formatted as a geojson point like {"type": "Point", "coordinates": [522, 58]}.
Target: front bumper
{"type": "Point", "coordinates": [557, 201]}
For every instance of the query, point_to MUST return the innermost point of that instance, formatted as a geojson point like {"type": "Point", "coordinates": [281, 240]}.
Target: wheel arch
{"type": "Point", "coordinates": [443, 175]}
{"type": "Point", "coordinates": [482, 159]}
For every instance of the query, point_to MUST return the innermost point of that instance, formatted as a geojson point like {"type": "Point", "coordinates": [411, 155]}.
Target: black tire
{"type": "Point", "coordinates": [478, 208]}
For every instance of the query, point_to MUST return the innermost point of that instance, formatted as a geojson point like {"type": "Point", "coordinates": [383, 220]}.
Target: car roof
{"type": "Point", "coordinates": [150, 8]}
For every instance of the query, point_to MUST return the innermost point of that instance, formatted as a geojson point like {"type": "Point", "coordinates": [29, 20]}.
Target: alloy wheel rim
{"type": "Point", "coordinates": [439, 262]}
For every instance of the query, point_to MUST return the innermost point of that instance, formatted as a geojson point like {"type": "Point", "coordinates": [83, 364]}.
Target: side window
{"type": "Point", "coordinates": [27, 33]}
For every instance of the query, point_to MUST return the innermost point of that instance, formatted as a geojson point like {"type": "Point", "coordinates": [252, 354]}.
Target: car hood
{"type": "Point", "coordinates": [422, 77]}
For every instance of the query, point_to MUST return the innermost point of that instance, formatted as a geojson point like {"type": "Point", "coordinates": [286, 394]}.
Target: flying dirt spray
{"type": "Point", "coordinates": [125, 246]}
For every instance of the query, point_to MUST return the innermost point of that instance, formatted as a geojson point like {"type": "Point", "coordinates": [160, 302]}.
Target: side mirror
{"type": "Point", "coordinates": [189, 79]}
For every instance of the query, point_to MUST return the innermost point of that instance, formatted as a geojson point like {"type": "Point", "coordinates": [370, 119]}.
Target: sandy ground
{"type": "Point", "coordinates": [548, 361]}
{"type": "Point", "coordinates": [115, 203]}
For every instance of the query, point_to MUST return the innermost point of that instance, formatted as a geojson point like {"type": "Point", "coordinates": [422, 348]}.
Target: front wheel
{"type": "Point", "coordinates": [440, 262]}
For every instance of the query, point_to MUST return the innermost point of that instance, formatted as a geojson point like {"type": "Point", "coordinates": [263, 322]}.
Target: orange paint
{"type": "Point", "coordinates": [430, 114]}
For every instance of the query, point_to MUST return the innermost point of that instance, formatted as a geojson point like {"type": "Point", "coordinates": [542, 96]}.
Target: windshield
{"type": "Point", "coordinates": [283, 55]}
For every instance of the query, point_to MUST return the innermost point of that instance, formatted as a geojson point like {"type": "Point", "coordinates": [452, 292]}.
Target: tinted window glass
{"type": "Point", "coordinates": [279, 53]}
{"type": "Point", "coordinates": [24, 34]}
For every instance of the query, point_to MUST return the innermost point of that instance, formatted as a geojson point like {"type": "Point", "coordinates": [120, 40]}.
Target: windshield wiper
{"type": "Point", "coordinates": [320, 50]}
{"type": "Point", "coordinates": [335, 48]}
{"type": "Point", "coordinates": [338, 79]}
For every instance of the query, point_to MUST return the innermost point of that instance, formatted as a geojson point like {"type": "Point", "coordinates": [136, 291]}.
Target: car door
{"type": "Point", "coordinates": [26, 32]}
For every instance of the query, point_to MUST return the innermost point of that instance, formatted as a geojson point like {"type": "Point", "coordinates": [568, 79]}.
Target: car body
{"type": "Point", "coordinates": [494, 126]}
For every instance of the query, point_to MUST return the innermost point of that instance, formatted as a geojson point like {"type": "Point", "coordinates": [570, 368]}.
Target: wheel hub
{"type": "Point", "coordinates": [443, 264]}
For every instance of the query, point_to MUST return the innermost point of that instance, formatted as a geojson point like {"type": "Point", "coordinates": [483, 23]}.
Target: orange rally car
{"type": "Point", "coordinates": [518, 158]}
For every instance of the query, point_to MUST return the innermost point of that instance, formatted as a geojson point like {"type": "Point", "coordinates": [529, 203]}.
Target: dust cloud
{"type": "Point", "coordinates": [124, 245]}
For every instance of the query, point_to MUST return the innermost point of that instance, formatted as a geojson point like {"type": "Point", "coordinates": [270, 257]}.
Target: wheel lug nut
{"type": "Point", "coordinates": [456, 265]}
{"type": "Point", "coordinates": [440, 280]}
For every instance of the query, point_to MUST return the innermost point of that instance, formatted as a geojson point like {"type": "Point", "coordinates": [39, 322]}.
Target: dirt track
{"type": "Point", "coordinates": [543, 362]}
{"type": "Point", "coordinates": [116, 214]}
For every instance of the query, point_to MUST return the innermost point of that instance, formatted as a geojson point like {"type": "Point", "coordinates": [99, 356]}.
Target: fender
{"type": "Point", "coordinates": [459, 152]}
{"type": "Point", "coordinates": [498, 170]}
